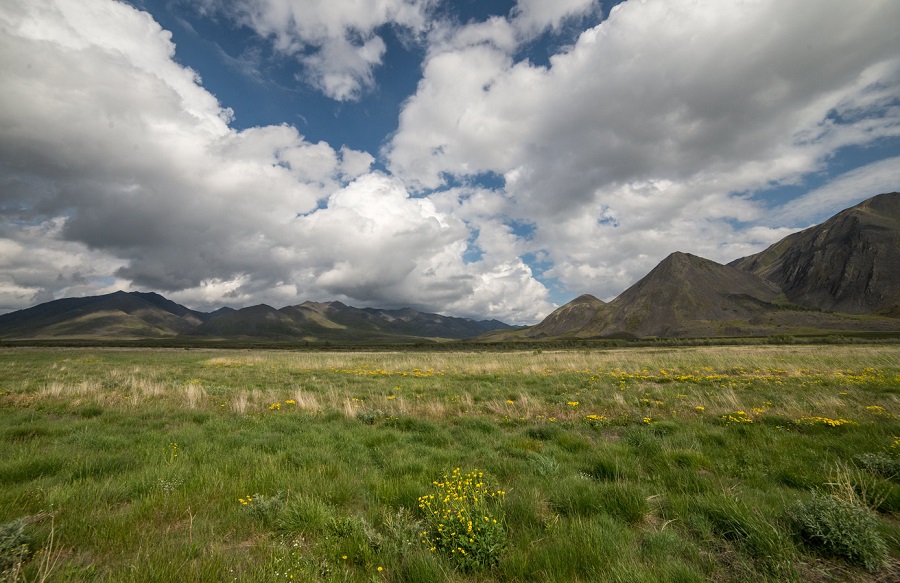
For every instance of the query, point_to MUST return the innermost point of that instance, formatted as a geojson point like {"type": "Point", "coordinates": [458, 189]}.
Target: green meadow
{"type": "Point", "coordinates": [737, 463]}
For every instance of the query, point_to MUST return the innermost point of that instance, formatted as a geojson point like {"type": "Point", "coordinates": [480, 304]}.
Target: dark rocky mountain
{"type": "Point", "coordinates": [840, 276]}
{"type": "Point", "coordinates": [850, 263]}
{"type": "Point", "coordinates": [585, 316]}
{"type": "Point", "coordinates": [137, 315]}
{"type": "Point", "coordinates": [684, 295]}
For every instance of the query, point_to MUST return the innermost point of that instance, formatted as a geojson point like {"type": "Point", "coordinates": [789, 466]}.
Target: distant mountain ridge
{"type": "Point", "coordinates": [138, 315]}
{"type": "Point", "coordinates": [119, 314]}
{"type": "Point", "coordinates": [840, 276]}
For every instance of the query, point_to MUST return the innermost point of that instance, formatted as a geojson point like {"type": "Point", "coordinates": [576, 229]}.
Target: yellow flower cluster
{"type": "Point", "coordinates": [737, 417]}
{"type": "Point", "coordinates": [465, 519]}
{"type": "Point", "coordinates": [173, 453]}
{"type": "Point", "coordinates": [824, 421]}
{"type": "Point", "coordinates": [245, 501]}
{"type": "Point", "coordinates": [365, 372]}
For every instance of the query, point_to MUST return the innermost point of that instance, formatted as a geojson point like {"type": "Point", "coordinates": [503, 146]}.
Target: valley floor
{"type": "Point", "coordinates": [642, 464]}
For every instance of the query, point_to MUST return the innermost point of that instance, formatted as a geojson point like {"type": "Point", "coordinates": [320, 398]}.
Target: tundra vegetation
{"type": "Point", "coordinates": [725, 463]}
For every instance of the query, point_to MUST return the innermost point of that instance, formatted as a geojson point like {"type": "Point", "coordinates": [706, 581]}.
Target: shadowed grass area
{"type": "Point", "coordinates": [619, 465]}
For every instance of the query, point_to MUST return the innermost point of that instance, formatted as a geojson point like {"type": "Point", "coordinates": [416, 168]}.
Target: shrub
{"type": "Point", "coordinates": [465, 520]}
{"type": "Point", "coordinates": [355, 539]}
{"type": "Point", "coordinates": [842, 529]}
{"type": "Point", "coordinates": [264, 507]}
{"type": "Point", "coordinates": [370, 417]}
{"type": "Point", "coordinates": [13, 544]}
{"type": "Point", "coordinates": [879, 464]}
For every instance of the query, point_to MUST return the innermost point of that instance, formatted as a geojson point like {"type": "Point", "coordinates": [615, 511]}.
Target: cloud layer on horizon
{"type": "Point", "coordinates": [650, 134]}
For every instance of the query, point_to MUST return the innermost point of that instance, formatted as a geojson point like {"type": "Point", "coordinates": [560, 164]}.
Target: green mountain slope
{"type": "Point", "coordinates": [337, 322]}
{"type": "Point", "coordinates": [118, 315]}
{"type": "Point", "coordinates": [138, 315]}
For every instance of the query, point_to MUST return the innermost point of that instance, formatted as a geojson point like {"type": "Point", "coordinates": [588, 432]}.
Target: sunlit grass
{"type": "Point", "coordinates": [638, 464]}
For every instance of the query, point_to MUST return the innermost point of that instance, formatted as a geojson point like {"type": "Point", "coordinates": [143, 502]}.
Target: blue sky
{"type": "Point", "coordinates": [242, 71]}
{"type": "Point", "coordinates": [486, 159]}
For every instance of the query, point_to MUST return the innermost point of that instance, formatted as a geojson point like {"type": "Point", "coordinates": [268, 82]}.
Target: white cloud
{"type": "Point", "coordinates": [663, 119]}
{"type": "Point", "coordinates": [126, 175]}
{"type": "Point", "coordinates": [376, 244]}
{"type": "Point", "coordinates": [337, 41]}
{"type": "Point", "coordinates": [534, 16]}
{"type": "Point", "coordinates": [108, 139]}
{"type": "Point", "coordinates": [842, 192]}
{"type": "Point", "coordinates": [36, 265]}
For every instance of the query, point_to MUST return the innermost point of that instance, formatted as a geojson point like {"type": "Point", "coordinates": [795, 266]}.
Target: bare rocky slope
{"type": "Point", "coordinates": [850, 263]}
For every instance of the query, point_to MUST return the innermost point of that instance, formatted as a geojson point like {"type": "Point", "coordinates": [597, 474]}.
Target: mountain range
{"type": "Point", "coordinates": [138, 316]}
{"type": "Point", "coordinates": [841, 276]}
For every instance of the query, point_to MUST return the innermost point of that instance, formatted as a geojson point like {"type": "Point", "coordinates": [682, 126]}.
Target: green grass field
{"type": "Point", "coordinates": [688, 464]}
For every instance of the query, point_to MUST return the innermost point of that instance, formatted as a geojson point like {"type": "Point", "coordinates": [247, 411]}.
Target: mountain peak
{"type": "Point", "coordinates": [586, 299]}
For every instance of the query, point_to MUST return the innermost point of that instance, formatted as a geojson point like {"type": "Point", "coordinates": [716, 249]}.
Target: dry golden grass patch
{"type": "Point", "coordinates": [306, 401]}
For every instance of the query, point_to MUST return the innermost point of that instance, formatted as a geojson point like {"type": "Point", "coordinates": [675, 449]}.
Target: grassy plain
{"type": "Point", "coordinates": [689, 464]}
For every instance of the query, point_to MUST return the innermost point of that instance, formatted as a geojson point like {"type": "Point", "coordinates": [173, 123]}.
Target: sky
{"type": "Point", "coordinates": [474, 158]}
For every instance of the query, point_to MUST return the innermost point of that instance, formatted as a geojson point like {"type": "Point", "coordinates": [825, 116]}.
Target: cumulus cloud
{"type": "Point", "coordinates": [534, 16]}
{"type": "Point", "coordinates": [119, 171]}
{"type": "Point", "coordinates": [652, 132]}
{"type": "Point", "coordinates": [394, 250]}
{"type": "Point", "coordinates": [337, 41]}
{"type": "Point", "coordinates": [103, 132]}
{"type": "Point", "coordinates": [104, 135]}
{"type": "Point", "coordinates": [36, 263]}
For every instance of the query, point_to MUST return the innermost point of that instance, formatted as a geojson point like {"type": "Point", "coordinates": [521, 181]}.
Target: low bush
{"type": "Point", "coordinates": [265, 508]}
{"type": "Point", "coordinates": [880, 464]}
{"type": "Point", "coordinates": [13, 545]}
{"type": "Point", "coordinates": [837, 528]}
